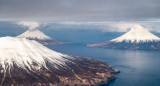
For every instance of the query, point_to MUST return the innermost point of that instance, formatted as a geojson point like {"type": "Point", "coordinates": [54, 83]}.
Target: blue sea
{"type": "Point", "coordinates": [138, 67]}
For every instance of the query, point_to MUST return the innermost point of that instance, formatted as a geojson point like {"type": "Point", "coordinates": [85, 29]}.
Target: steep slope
{"type": "Point", "coordinates": [28, 63]}
{"type": "Point", "coordinates": [137, 38]}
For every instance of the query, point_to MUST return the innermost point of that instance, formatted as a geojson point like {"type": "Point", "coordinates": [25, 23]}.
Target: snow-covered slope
{"type": "Point", "coordinates": [28, 63]}
{"type": "Point", "coordinates": [34, 34]}
{"type": "Point", "coordinates": [25, 53]}
{"type": "Point", "coordinates": [137, 34]}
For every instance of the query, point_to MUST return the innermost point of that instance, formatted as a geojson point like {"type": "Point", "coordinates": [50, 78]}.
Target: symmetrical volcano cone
{"type": "Point", "coordinates": [136, 38]}
{"type": "Point", "coordinates": [34, 34]}
{"type": "Point", "coordinates": [137, 34]}
{"type": "Point", "coordinates": [39, 36]}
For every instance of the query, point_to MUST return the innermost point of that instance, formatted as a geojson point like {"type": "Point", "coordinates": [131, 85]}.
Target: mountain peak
{"type": "Point", "coordinates": [25, 53]}
{"type": "Point", "coordinates": [137, 34]}
{"type": "Point", "coordinates": [34, 34]}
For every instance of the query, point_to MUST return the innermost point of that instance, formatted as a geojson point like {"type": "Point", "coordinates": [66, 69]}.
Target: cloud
{"type": "Point", "coordinates": [29, 25]}
{"type": "Point", "coordinates": [124, 27]}
{"type": "Point", "coordinates": [106, 26]}
{"type": "Point", "coordinates": [103, 26]}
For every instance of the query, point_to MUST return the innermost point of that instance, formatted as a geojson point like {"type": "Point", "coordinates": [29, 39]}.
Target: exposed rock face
{"type": "Point", "coordinates": [80, 71]}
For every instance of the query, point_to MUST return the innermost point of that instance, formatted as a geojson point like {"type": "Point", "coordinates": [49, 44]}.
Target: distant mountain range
{"type": "Point", "coordinates": [136, 38]}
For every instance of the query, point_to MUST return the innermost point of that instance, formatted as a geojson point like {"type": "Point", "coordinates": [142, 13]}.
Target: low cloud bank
{"type": "Point", "coordinates": [103, 26]}
{"type": "Point", "coordinates": [108, 26]}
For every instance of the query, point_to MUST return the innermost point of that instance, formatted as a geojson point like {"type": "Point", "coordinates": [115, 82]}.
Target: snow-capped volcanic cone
{"type": "Point", "coordinates": [137, 34]}
{"type": "Point", "coordinates": [39, 36]}
{"type": "Point", "coordinates": [29, 63]}
{"type": "Point", "coordinates": [137, 38]}
{"type": "Point", "coordinates": [34, 34]}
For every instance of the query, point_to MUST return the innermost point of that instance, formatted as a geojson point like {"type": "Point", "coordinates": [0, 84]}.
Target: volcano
{"type": "Point", "coordinates": [26, 62]}
{"type": "Point", "coordinates": [137, 38]}
{"type": "Point", "coordinates": [39, 36]}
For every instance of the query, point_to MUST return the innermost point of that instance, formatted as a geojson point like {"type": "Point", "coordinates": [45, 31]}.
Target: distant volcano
{"type": "Point", "coordinates": [136, 38]}
{"type": "Point", "coordinates": [34, 34]}
{"type": "Point", "coordinates": [40, 37]}
{"type": "Point", "coordinates": [26, 62]}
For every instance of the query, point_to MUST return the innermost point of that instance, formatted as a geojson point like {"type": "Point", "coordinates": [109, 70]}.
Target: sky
{"type": "Point", "coordinates": [106, 15]}
{"type": "Point", "coordinates": [80, 10]}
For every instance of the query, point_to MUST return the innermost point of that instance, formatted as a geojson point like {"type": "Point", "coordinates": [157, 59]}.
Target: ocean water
{"type": "Point", "coordinates": [138, 67]}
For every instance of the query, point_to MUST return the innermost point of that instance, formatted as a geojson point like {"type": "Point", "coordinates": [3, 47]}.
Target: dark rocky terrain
{"type": "Point", "coordinates": [80, 71]}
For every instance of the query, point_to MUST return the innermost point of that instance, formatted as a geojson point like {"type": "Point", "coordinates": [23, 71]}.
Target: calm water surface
{"type": "Point", "coordinates": [138, 67]}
